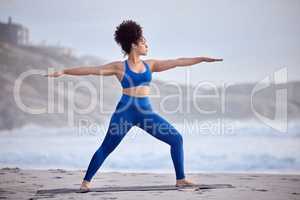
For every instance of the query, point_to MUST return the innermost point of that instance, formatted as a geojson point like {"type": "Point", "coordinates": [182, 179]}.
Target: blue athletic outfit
{"type": "Point", "coordinates": [137, 111]}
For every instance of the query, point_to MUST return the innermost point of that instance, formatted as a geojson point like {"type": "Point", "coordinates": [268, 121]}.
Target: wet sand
{"type": "Point", "coordinates": [18, 184]}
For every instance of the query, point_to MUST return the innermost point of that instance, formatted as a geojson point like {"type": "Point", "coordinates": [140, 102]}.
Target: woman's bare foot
{"type": "Point", "coordinates": [85, 186]}
{"type": "Point", "coordinates": [184, 182]}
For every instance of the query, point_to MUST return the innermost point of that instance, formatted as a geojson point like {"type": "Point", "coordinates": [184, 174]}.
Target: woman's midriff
{"type": "Point", "coordinates": [138, 91]}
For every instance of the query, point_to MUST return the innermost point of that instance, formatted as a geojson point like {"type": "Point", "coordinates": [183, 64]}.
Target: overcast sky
{"type": "Point", "coordinates": [255, 38]}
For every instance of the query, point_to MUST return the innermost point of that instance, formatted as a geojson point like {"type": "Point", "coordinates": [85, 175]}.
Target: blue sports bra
{"type": "Point", "coordinates": [133, 79]}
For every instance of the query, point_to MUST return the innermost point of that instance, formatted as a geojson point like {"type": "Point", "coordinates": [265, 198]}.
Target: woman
{"type": "Point", "coordinates": [134, 106]}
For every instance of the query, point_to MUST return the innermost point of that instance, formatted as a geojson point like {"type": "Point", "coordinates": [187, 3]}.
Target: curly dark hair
{"type": "Point", "coordinates": [126, 33]}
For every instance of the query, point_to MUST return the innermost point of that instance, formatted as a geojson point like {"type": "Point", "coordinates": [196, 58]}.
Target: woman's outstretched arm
{"type": "Point", "coordinates": [162, 65]}
{"type": "Point", "coordinates": [105, 70]}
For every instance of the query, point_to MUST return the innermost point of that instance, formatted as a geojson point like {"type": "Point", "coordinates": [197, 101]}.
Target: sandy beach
{"type": "Point", "coordinates": [16, 183]}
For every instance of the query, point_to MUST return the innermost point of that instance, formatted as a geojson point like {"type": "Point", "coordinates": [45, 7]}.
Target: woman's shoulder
{"type": "Point", "coordinates": [119, 64]}
{"type": "Point", "coordinates": [150, 63]}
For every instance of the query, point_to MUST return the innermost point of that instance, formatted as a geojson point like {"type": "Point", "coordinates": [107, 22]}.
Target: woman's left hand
{"type": "Point", "coordinates": [213, 59]}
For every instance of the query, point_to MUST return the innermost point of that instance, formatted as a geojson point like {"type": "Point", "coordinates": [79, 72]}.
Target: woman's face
{"type": "Point", "coordinates": [141, 48]}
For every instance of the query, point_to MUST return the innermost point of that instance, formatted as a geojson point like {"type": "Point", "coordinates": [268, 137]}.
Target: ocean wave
{"type": "Point", "coordinates": [37, 147]}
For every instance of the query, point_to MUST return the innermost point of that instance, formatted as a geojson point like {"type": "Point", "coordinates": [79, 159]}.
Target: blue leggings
{"type": "Point", "coordinates": [137, 111]}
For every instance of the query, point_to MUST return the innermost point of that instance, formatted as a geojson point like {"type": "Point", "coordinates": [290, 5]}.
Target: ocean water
{"type": "Point", "coordinates": [249, 147]}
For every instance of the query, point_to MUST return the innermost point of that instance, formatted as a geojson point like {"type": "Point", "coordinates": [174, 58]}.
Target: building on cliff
{"type": "Point", "coordinates": [14, 33]}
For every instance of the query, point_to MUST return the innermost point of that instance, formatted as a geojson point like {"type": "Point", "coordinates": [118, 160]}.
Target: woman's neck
{"type": "Point", "coordinates": [134, 59]}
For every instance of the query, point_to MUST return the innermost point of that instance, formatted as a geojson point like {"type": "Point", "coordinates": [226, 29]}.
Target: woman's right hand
{"type": "Point", "coordinates": [55, 74]}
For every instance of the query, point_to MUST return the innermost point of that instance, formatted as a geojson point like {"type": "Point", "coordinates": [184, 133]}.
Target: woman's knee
{"type": "Point", "coordinates": [177, 140]}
